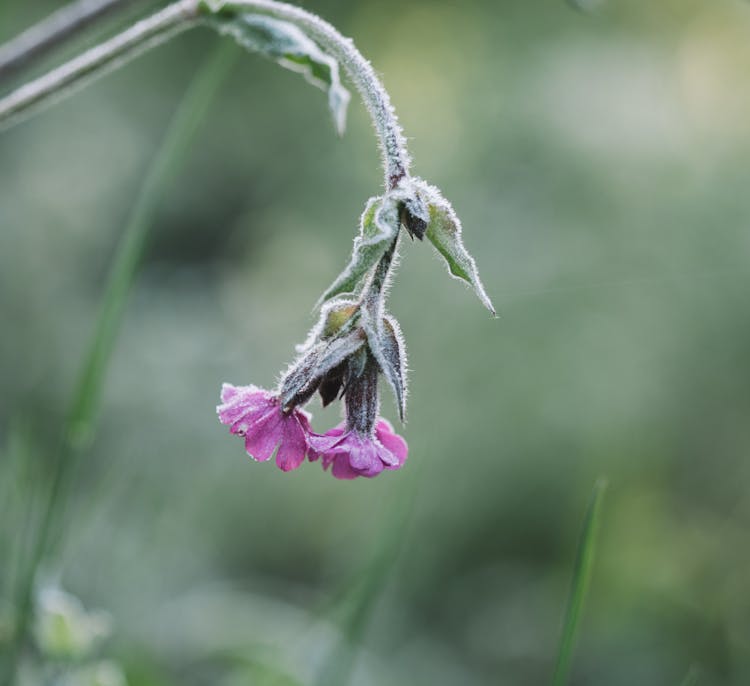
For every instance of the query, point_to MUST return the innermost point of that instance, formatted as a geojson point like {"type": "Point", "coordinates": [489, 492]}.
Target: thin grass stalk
{"type": "Point", "coordinates": [78, 429]}
{"type": "Point", "coordinates": [579, 586]}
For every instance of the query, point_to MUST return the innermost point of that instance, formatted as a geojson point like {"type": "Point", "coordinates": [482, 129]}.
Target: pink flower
{"type": "Point", "coordinates": [353, 454]}
{"type": "Point", "coordinates": [256, 415]}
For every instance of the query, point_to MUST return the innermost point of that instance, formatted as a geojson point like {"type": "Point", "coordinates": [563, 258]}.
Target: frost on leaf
{"type": "Point", "coordinates": [387, 345]}
{"type": "Point", "coordinates": [444, 232]}
{"type": "Point", "coordinates": [378, 227]}
{"type": "Point", "coordinates": [290, 47]}
{"type": "Point", "coordinates": [305, 375]}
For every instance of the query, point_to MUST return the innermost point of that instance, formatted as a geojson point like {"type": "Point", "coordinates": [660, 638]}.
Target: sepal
{"type": "Point", "coordinates": [386, 343]}
{"type": "Point", "coordinates": [444, 232]}
{"type": "Point", "coordinates": [361, 399]}
{"type": "Point", "coordinates": [415, 215]}
{"type": "Point", "coordinates": [306, 374]}
{"type": "Point", "coordinates": [378, 227]}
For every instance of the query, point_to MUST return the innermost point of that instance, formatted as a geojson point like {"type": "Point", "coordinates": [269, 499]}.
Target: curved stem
{"type": "Point", "coordinates": [185, 13]}
{"type": "Point", "coordinates": [393, 145]}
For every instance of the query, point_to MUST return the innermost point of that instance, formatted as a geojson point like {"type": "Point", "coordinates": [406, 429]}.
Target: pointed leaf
{"type": "Point", "coordinates": [335, 317]}
{"type": "Point", "coordinates": [290, 47]}
{"type": "Point", "coordinates": [298, 383]}
{"type": "Point", "coordinates": [393, 361]}
{"type": "Point", "coordinates": [444, 232]}
{"type": "Point", "coordinates": [386, 343]}
{"type": "Point", "coordinates": [378, 226]}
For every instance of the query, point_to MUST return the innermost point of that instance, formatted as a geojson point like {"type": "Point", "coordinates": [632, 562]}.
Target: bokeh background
{"type": "Point", "coordinates": [598, 157]}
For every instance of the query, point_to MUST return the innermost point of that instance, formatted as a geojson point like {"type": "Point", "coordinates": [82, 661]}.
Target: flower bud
{"type": "Point", "coordinates": [362, 400]}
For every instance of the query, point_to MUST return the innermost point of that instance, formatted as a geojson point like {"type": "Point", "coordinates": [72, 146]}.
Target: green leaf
{"type": "Point", "coordinates": [379, 225]}
{"type": "Point", "coordinates": [444, 232]}
{"type": "Point", "coordinates": [580, 584]}
{"type": "Point", "coordinates": [386, 343]}
{"type": "Point", "coordinates": [290, 47]}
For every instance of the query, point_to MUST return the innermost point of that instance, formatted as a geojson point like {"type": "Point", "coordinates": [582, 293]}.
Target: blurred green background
{"type": "Point", "coordinates": [599, 162]}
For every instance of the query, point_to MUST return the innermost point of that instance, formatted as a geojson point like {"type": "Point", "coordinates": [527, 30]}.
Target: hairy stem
{"type": "Point", "coordinates": [52, 31]}
{"type": "Point", "coordinates": [184, 14]}
{"type": "Point", "coordinates": [97, 61]}
{"type": "Point", "coordinates": [360, 71]}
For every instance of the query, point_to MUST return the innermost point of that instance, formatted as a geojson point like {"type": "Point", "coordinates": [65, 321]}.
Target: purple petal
{"type": "Point", "coordinates": [265, 436]}
{"type": "Point", "coordinates": [247, 422]}
{"type": "Point", "coordinates": [240, 401]}
{"type": "Point", "coordinates": [392, 442]}
{"type": "Point", "coordinates": [388, 459]}
{"type": "Point", "coordinates": [228, 392]}
{"type": "Point", "coordinates": [293, 446]}
{"type": "Point", "coordinates": [304, 420]}
{"type": "Point", "coordinates": [322, 443]}
{"type": "Point", "coordinates": [363, 456]}
{"type": "Point", "coordinates": [342, 469]}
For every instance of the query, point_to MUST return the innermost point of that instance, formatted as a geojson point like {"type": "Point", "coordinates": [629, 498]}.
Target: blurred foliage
{"type": "Point", "coordinates": [597, 160]}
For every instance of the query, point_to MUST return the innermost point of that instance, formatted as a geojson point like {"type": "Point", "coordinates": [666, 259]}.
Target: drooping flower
{"type": "Point", "coordinates": [352, 454]}
{"type": "Point", "coordinates": [346, 352]}
{"type": "Point", "coordinates": [257, 416]}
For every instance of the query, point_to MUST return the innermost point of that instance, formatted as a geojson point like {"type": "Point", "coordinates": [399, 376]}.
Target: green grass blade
{"type": "Point", "coordinates": [78, 428]}
{"type": "Point", "coordinates": [169, 159]}
{"type": "Point", "coordinates": [580, 584]}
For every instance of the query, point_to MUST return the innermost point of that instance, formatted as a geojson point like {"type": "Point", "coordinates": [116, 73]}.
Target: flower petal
{"type": "Point", "coordinates": [293, 446]}
{"type": "Point", "coordinates": [392, 442]}
{"type": "Point", "coordinates": [342, 469]}
{"type": "Point", "coordinates": [265, 435]}
{"type": "Point", "coordinates": [241, 401]}
{"type": "Point", "coordinates": [228, 391]}
{"type": "Point", "coordinates": [363, 456]}
{"type": "Point", "coordinates": [247, 422]}
{"type": "Point", "coordinates": [321, 443]}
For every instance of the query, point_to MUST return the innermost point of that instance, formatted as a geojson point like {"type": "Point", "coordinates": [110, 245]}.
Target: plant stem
{"type": "Point", "coordinates": [360, 71]}
{"type": "Point", "coordinates": [52, 31]}
{"type": "Point", "coordinates": [184, 14]}
{"type": "Point", "coordinates": [97, 61]}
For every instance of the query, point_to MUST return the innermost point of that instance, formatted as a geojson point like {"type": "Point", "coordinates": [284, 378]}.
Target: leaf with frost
{"type": "Point", "coordinates": [290, 47]}
{"type": "Point", "coordinates": [392, 360]}
{"type": "Point", "coordinates": [338, 350]}
{"type": "Point", "coordinates": [304, 376]}
{"type": "Point", "coordinates": [386, 343]}
{"type": "Point", "coordinates": [444, 232]}
{"type": "Point", "coordinates": [335, 316]}
{"type": "Point", "coordinates": [378, 227]}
